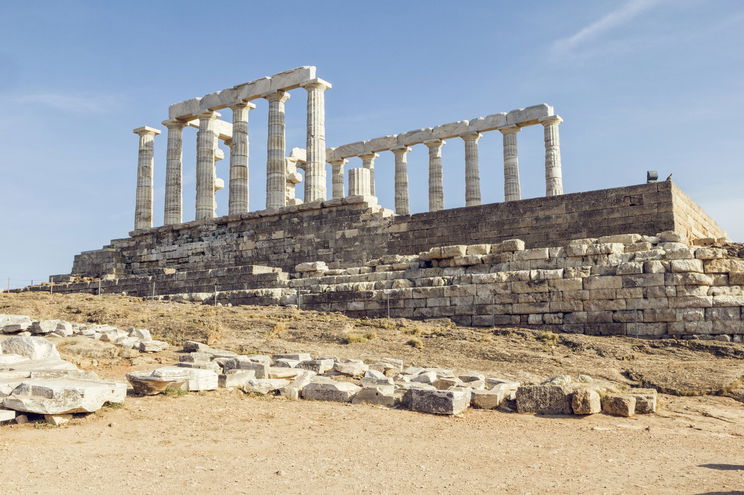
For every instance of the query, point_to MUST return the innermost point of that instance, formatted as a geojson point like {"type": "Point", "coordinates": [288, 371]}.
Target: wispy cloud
{"type": "Point", "coordinates": [70, 102]}
{"type": "Point", "coordinates": [618, 17]}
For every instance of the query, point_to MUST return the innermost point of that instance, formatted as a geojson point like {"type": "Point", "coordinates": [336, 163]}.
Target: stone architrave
{"type": "Point", "coordinates": [401, 180]}
{"type": "Point", "coordinates": [553, 172]}
{"type": "Point", "coordinates": [337, 171]}
{"type": "Point", "coordinates": [512, 190]}
{"type": "Point", "coordinates": [239, 151]}
{"type": "Point", "coordinates": [472, 175]}
{"type": "Point", "coordinates": [173, 209]}
{"type": "Point", "coordinates": [315, 173]}
{"type": "Point", "coordinates": [145, 163]}
{"type": "Point", "coordinates": [368, 162]}
{"type": "Point", "coordinates": [206, 153]}
{"type": "Point", "coordinates": [436, 179]}
{"type": "Point", "coordinates": [275, 163]}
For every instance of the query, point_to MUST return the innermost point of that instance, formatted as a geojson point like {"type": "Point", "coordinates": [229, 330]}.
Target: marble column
{"type": "Point", "coordinates": [401, 180]}
{"type": "Point", "coordinates": [359, 182]}
{"type": "Point", "coordinates": [368, 162]}
{"type": "Point", "coordinates": [472, 175]}
{"type": "Point", "coordinates": [145, 161]}
{"type": "Point", "coordinates": [436, 180]}
{"type": "Point", "coordinates": [275, 166]}
{"type": "Point", "coordinates": [206, 154]}
{"type": "Point", "coordinates": [315, 173]}
{"type": "Point", "coordinates": [553, 172]}
{"type": "Point", "coordinates": [173, 208]}
{"type": "Point", "coordinates": [511, 164]}
{"type": "Point", "coordinates": [239, 180]}
{"type": "Point", "coordinates": [337, 177]}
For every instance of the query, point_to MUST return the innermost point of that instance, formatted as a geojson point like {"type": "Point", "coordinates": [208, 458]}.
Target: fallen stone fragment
{"type": "Point", "coordinates": [329, 390]}
{"type": "Point", "coordinates": [220, 353]}
{"type": "Point", "coordinates": [193, 346]}
{"type": "Point", "coordinates": [619, 405]}
{"type": "Point", "coordinates": [34, 348]}
{"type": "Point", "coordinates": [381, 396]}
{"type": "Point", "coordinates": [446, 402]}
{"type": "Point", "coordinates": [445, 383]}
{"type": "Point", "coordinates": [243, 363]}
{"type": "Point", "coordinates": [198, 379]}
{"type": "Point", "coordinates": [263, 386]}
{"type": "Point", "coordinates": [7, 415]}
{"type": "Point", "coordinates": [111, 334]}
{"type": "Point", "coordinates": [492, 399]}
{"type": "Point", "coordinates": [21, 419]}
{"type": "Point", "coordinates": [285, 373]}
{"type": "Point", "coordinates": [202, 365]}
{"type": "Point", "coordinates": [8, 359]}
{"type": "Point", "coordinates": [646, 400]}
{"type": "Point", "coordinates": [317, 365]}
{"type": "Point", "coordinates": [351, 367]}
{"type": "Point", "coordinates": [586, 401]}
{"type": "Point", "coordinates": [57, 419]}
{"type": "Point", "coordinates": [195, 357]}
{"type": "Point", "coordinates": [285, 363]}
{"type": "Point", "coordinates": [144, 383]}
{"type": "Point", "coordinates": [63, 395]}
{"type": "Point", "coordinates": [127, 342]}
{"type": "Point", "coordinates": [49, 326]}
{"type": "Point", "coordinates": [140, 334]}
{"type": "Point", "coordinates": [14, 323]}
{"type": "Point", "coordinates": [427, 377]}
{"type": "Point", "coordinates": [153, 346]}
{"type": "Point", "coordinates": [374, 378]}
{"type": "Point", "coordinates": [303, 356]}
{"type": "Point", "coordinates": [236, 378]}
{"type": "Point", "coordinates": [473, 380]}
{"type": "Point", "coordinates": [543, 399]}
{"type": "Point", "coordinates": [294, 389]}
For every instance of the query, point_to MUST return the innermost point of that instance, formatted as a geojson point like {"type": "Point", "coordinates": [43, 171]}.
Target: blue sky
{"type": "Point", "coordinates": [641, 84]}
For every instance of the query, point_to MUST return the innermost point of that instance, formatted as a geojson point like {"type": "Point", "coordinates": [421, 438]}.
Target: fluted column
{"type": "Point", "coordinates": [553, 172]}
{"type": "Point", "coordinates": [173, 208]}
{"type": "Point", "coordinates": [337, 168]}
{"type": "Point", "coordinates": [239, 147]}
{"type": "Point", "coordinates": [368, 162]}
{"type": "Point", "coordinates": [275, 167]}
{"type": "Point", "coordinates": [206, 153]}
{"type": "Point", "coordinates": [472, 175]}
{"type": "Point", "coordinates": [359, 182]}
{"type": "Point", "coordinates": [401, 180]}
{"type": "Point", "coordinates": [436, 180]}
{"type": "Point", "coordinates": [315, 174]}
{"type": "Point", "coordinates": [143, 201]}
{"type": "Point", "coordinates": [512, 190]}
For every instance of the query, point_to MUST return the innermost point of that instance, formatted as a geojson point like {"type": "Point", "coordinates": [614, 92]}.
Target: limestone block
{"type": "Point", "coordinates": [315, 266]}
{"type": "Point", "coordinates": [603, 248]}
{"type": "Point", "coordinates": [7, 415]}
{"type": "Point", "coordinates": [14, 323]}
{"type": "Point", "coordinates": [34, 348]}
{"type": "Point", "coordinates": [654, 266]}
{"type": "Point", "coordinates": [293, 391]}
{"type": "Point", "coordinates": [478, 249]}
{"type": "Point", "coordinates": [195, 357]}
{"type": "Point", "coordinates": [603, 282]}
{"type": "Point", "coordinates": [621, 238]}
{"type": "Point", "coordinates": [253, 89]}
{"type": "Point", "coordinates": [374, 378]}
{"type": "Point", "coordinates": [676, 250]}
{"type": "Point", "coordinates": [532, 254]}
{"type": "Point", "coordinates": [445, 402]}
{"type": "Point", "coordinates": [349, 150]}
{"type": "Point", "coordinates": [630, 268]}
{"type": "Point", "coordinates": [286, 363]}
{"type": "Point", "coordinates": [725, 265]}
{"type": "Point", "coordinates": [153, 346]}
{"type": "Point", "coordinates": [140, 334]}
{"type": "Point", "coordinates": [302, 356]}
{"type": "Point", "coordinates": [670, 236]}
{"type": "Point", "coordinates": [488, 123]}
{"type": "Point", "coordinates": [530, 115]}
{"type": "Point", "coordinates": [417, 136]}
{"type": "Point", "coordinates": [49, 326]}
{"type": "Point", "coordinates": [329, 390]}
{"type": "Point", "coordinates": [543, 399]}
{"type": "Point", "coordinates": [586, 401]}
{"type": "Point", "coordinates": [261, 369]}
{"type": "Point", "coordinates": [376, 395]}
{"type": "Point", "coordinates": [236, 378]}
{"type": "Point", "coordinates": [293, 78]}
{"type": "Point", "coordinates": [57, 419]}
{"type": "Point", "coordinates": [263, 386]}
{"type": "Point", "coordinates": [646, 400]}
{"type": "Point", "coordinates": [493, 398]}
{"type": "Point", "coordinates": [384, 143]}
{"type": "Point", "coordinates": [619, 405]}
{"type": "Point", "coordinates": [317, 365]}
{"type": "Point", "coordinates": [705, 253]}
{"type": "Point", "coordinates": [197, 379]}
{"type": "Point", "coordinates": [446, 383]}
{"type": "Point", "coordinates": [64, 395]}
{"type": "Point", "coordinates": [687, 265]}
{"type": "Point", "coordinates": [452, 129]}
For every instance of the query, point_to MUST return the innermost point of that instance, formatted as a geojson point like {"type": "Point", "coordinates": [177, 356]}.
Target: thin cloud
{"type": "Point", "coordinates": [77, 103]}
{"type": "Point", "coordinates": [613, 20]}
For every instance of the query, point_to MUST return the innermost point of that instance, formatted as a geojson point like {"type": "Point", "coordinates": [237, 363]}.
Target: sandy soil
{"type": "Point", "coordinates": [226, 442]}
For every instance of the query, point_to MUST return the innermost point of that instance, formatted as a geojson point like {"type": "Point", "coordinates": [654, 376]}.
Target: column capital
{"type": "Point", "coordinates": [242, 104]}
{"type": "Point", "coordinates": [209, 115]}
{"type": "Point", "coordinates": [339, 163]}
{"type": "Point", "coordinates": [369, 156]}
{"type": "Point", "coordinates": [434, 143]}
{"type": "Point", "coordinates": [317, 84]}
{"type": "Point", "coordinates": [512, 129]}
{"type": "Point", "coordinates": [400, 149]}
{"type": "Point", "coordinates": [146, 130]}
{"type": "Point", "coordinates": [280, 96]}
{"type": "Point", "coordinates": [174, 124]}
{"type": "Point", "coordinates": [551, 119]}
{"type": "Point", "coordinates": [471, 136]}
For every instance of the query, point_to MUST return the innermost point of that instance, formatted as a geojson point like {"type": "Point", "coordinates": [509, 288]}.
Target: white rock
{"type": "Point", "coordinates": [263, 386]}
{"type": "Point", "coordinates": [351, 368]}
{"type": "Point", "coordinates": [198, 379]}
{"type": "Point", "coordinates": [7, 415]}
{"type": "Point", "coordinates": [329, 390]}
{"type": "Point", "coordinates": [141, 334]}
{"type": "Point", "coordinates": [236, 378]}
{"type": "Point", "coordinates": [64, 395]}
{"type": "Point", "coordinates": [35, 348]}
{"type": "Point", "coordinates": [49, 326]}
{"type": "Point", "coordinates": [153, 346]}
{"type": "Point", "coordinates": [14, 323]}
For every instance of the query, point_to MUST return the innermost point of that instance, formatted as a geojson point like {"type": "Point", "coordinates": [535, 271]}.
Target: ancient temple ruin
{"type": "Point", "coordinates": [640, 260]}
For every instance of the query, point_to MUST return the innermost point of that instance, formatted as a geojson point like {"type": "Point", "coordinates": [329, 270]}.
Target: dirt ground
{"type": "Point", "coordinates": [227, 442]}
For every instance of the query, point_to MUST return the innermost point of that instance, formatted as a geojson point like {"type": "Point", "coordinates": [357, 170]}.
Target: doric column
{"type": "Point", "coordinates": [337, 168]}
{"type": "Point", "coordinates": [143, 202]}
{"type": "Point", "coordinates": [472, 175]}
{"type": "Point", "coordinates": [401, 180]}
{"type": "Point", "coordinates": [511, 164]}
{"type": "Point", "coordinates": [275, 168]}
{"type": "Point", "coordinates": [553, 172]}
{"type": "Point", "coordinates": [238, 201]}
{"type": "Point", "coordinates": [368, 162]}
{"type": "Point", "coordinates": [206, 154]}
{"type": "Point", "coordinates": [173, 208]}
{"type": "Point", "coordinates": [359, 182]}
{"type": "Point", "coordinates": [315, 176]}
{"type": "Point", "coordinates": [436, 180]}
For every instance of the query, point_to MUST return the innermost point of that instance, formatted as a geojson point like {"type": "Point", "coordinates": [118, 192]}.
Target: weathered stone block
{"type": "Point", "coordinates": [586, 401]}
{"type": "Point", "coordinates": [445, 402]}
{"type": "Point", "coordinates": [329, 390]}
{"type": "Point", "coordinates": [543, 399]}
{"type": "Point", "coordinates": [619, 405]}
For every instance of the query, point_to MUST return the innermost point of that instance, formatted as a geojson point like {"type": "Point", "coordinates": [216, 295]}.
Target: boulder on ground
{"type": "Point", "coordinates": [445, 402]}
{"type": "Point", "coordinates": [586, 401]}
{"type": "Point", "coordinates": [14, 323]}
{"type": "Point", "coordinates": [544, 399]}
{"type": "Point", "coordinates": [646, 400]}
{"type": "Point", "coordinates": [619, 405]}
{"type": "Point", "coordinates": [57, 419]}
{"type": "Point", "coordinates": [63, 395]}
{"type": "Point", "coordinates": [330, 390]}
{"type": "Point", "coordinates": [35, 348]}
